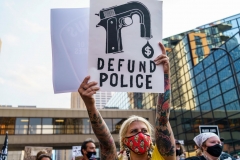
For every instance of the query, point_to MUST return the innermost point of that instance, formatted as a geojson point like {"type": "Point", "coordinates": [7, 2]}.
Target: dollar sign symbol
{"type": "Point", "coordinates": [148, 51]}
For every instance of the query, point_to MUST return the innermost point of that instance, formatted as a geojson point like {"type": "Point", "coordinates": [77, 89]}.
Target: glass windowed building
{"type": "Point", "coordinates": [204, 85]}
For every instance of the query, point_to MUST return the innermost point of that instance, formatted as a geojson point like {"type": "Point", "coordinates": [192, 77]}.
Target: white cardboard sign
{"type": "Point", "coordinates": [69, 35]}
{"type": "Point", "coordinates": [123, 42]}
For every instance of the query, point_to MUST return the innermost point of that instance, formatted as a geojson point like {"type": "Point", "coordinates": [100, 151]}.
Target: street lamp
{"type": "Point", "coordinates": [232, 67]}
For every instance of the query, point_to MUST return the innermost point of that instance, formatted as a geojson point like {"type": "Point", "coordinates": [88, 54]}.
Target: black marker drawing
{"type": "Point", "coordinates": [115, 18]}
{"type": "Point", "coordinates": [147, 51]}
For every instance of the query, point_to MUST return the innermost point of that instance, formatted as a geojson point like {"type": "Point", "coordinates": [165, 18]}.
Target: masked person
{"type": "Point", "coordinates": [225, 155]}
{"type": "Point", "coordinates": [135, 135]}
{"type": "Point", "coordinates": [88, 150]}
{"type": "Point", "coordinates": [210, 145]}
{"type": "Point", "coordinates": [180, 151]}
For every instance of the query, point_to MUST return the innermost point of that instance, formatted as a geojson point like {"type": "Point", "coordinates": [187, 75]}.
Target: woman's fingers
{"type": "Point", "coordinates": [89, 85]}
{"type": "Point", "coordinates": [162, 48]}
{"type": "Point", "coordinates": [84, 82]}
{"type": "Point", "coordinates": [90, 91]}
{"type": "Point", "coordinates": [88, 88]}
{"type": "Point", "coordinates": [162, 61]}
{"type": "Point", "coordinates": [161, 58]}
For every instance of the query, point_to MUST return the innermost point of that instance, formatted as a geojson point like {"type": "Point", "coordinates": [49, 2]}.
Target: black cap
{"type": "Point", "coordinates": [177, 142]}
{"type": "Point", "coordinates": [222, 139]}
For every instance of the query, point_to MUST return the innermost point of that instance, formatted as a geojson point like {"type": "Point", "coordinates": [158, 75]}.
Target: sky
{"type": "Point", "coordinates": [26, 55]}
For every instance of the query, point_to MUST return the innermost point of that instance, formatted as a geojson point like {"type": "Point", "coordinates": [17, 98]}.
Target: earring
{"type": "Point", "coordinates": [127, 152]}
{"type": "Point", "coordinates": [150, 150]}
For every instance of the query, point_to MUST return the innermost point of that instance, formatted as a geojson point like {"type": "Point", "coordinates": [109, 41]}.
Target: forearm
{"type": "Point", "coordinates": [164, 136]}
{"type": "Point", "coordinates": [107, 144]}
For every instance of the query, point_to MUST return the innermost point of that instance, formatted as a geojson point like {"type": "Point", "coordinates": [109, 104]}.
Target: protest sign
{"type": "Point", "coordinates": [209, 128]}
{"type": "Point", "coordinates": [123, 42]}
{"type": "Point", "coordinates": [69, 35]}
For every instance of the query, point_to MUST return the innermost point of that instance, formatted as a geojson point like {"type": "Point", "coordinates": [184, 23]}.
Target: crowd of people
{"type": "Point", "coordinates": [137, 135]}
{"type": "Point", "coordinates": [138, 139]}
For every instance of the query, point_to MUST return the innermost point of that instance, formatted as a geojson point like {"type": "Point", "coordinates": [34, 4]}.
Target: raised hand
{"type": "Point", "coordinates": [163, 59]}
{"type": "Point", "coordinates": [87, 90]}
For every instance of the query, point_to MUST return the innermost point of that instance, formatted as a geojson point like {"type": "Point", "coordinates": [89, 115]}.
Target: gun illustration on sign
{"type": "Point", "coordinates": [115, 18]}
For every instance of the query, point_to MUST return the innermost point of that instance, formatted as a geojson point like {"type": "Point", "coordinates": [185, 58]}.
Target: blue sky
{"type": "Point", "coordinates": [26, 57]}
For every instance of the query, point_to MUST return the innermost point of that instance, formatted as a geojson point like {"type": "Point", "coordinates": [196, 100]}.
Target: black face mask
{"type": "Point", "coordinates": [90, 155]}
{"type": "Point", "coordinates": [178, 152]}
{"type": "Point", "coordinates": [215, 150]}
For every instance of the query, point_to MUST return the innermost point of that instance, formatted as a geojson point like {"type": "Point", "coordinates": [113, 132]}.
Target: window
{"type": "Point", "coordinates": [35, 126]}
{"type": "Point", "coordinates": [117, 123]}
{"type": "Point", "coordinates": [47, 126]}
{"type": "Point", "coordinates": [7, 124]}
{"type": "Point", "coordinates": [208, 61]}
{"type": "Point", "coordinates": [223, 62]}
{"type": "Point", "coordinates": [198, 68]}
{"type": "Point", "coordinates": [206, 106]}
{"type": "Point", "coordinates": [109, 124]}
{"type": "Point", "coordinates": [227, 84]}
{"type": "Point", "coordinates": [237, 65]}
{"type": "Point", "coordinates": [59, 125]}
{"type": "Point", "coordinates": [230, 96]}
{"type": "Point", "coordinates": [217, 102]}
{"type": "Point", "coordinates": [225, 73]}
{"type": "Point", "coordinates": [213, 92]}
{"type": "Point", "coordinates": [21, 126]}
{"type": "Point", "coordinates": [218, 54]}
{"type": "Point", "coordinates": [202, 87]}
{"type": "Point", "coordinates": [199, 78]}
{"type": "Point", "coordinates": [210, 71]}
{"type": "Point", "coordinates": [203, 97]}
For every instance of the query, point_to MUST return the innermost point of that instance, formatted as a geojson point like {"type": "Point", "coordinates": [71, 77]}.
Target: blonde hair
{"type": "Point", "coordinates": [127, 123]}
{"type": "Point", "coordinates": [198, 152]}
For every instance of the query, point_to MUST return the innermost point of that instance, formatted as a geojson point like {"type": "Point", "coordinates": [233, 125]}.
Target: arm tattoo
{"type": "Point", "coordinates": [164, 143]}
{"type": "Point", "coordinates": [107, 144]}
{"type": "Point", "coordinates": [163, 130]}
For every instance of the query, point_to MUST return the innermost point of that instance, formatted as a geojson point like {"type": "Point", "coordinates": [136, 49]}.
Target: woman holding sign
{"type": "Point", "coordinates": [136, 140]}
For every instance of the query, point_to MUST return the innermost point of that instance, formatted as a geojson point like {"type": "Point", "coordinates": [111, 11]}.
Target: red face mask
{"type": "Point", "coordinates": [139, 143]}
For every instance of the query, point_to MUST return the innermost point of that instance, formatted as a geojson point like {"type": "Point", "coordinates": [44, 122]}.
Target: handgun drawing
{"type": "Point", "coordinates": [115, 18]}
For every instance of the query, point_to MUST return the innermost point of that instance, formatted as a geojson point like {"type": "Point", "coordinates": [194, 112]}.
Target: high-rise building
{"type": "Point", "coordinates": [76, 101]}
{"type": "Point", "coordinates": [101, 99]}
{"type": "Point", "coordinates": [204, 84]}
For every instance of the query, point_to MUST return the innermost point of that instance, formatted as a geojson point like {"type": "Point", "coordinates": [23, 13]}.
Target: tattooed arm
{"type": "Point", "coordinates": [107, 145]}
{"type": "Point", "coordinates": [163, 132]}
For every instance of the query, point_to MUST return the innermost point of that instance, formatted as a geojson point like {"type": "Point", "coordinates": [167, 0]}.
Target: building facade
{"type": "Point", "coordinates": [76, 101]}
{"type": "Point", "coordinates": [58, 128]}
{"type": "Point", "coordinates": [204, 85]}
{"type": "Point", "coordinates": [101, 99]}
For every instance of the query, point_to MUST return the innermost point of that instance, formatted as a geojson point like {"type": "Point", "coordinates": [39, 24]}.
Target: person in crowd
{"type": "Point", "coordinates": [135, 135]}
{"type": "Point", "coordinates": [210, 145]}
{"type": "Point", "coordinates": [222, 141]}
{"type": "Point", "coordinates": [43, 155]}
{"type": "Point", "coordinates": [88, 150]}
{"type": "Point", "coordinates": [180, 151]}
{"type": "Point", "coordinates": [237, 157]}
{"type": "Point", "coordinates": [225, 155]}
